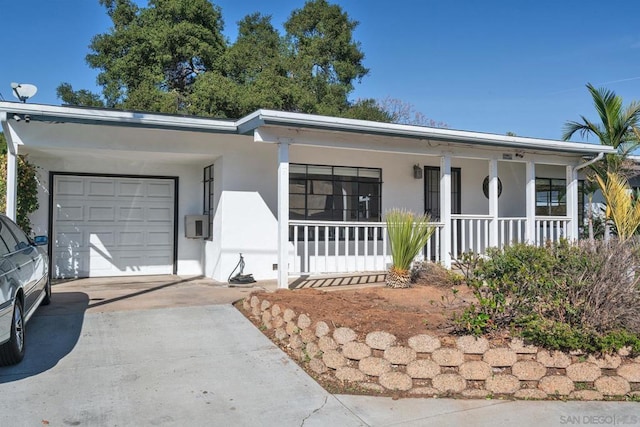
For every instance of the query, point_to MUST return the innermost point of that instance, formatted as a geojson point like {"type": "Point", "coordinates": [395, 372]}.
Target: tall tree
{"type": "Point", "coordinates": [151, 56]}
{"type": "Point", "coordinates": [325, 61]}
{"type": "Point", "coordinates": [618, 128]}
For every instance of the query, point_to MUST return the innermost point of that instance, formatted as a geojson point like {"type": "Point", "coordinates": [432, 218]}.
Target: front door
{"type": "Point", "coordinates": [432, 196]}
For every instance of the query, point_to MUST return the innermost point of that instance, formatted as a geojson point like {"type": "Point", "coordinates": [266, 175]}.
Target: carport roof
{"type": "Point", "coordinates": [248, 124]}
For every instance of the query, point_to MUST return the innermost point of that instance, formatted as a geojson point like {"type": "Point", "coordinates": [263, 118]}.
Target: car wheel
{"type": "Point", "coordinates": [47, 296]}
{"type": "Point", "coordinates": [12, 351]}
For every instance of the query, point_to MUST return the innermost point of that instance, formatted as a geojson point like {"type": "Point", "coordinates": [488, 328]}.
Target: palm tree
{"type": "Point", "coordinates": [618, 128]}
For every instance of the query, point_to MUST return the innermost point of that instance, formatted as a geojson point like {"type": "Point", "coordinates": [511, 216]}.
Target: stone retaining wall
{"type": "Point", "coordinates": [424, 366]}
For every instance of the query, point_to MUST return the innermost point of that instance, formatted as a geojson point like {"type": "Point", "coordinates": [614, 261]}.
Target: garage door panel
{"type": "Point", "coordinates": [69, 187]}
{"type": "Point", "coordinates": [113, 226]}
{"type": "Point", "coordinates": [101, 188]}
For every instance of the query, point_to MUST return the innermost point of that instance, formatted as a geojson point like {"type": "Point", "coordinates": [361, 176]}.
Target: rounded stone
{"type": "Point", "coordinates": [519, 347]}
{"type": "Point", "coordinates": [528, 370]}
{"type": "Point", "coordinates": [264, 305]}
{"type": "Point", "coordinates": [291, 328]}
{"type": "Point", "coordinates": [322, 329]}
{"type": "Point", "coordinates": [276, 310]}
{"type": "Point", "coordinates": [327, 343]}
{"type": "Point", "coordinates": [396, 381]}
{"type": "Point", "coordinates": [630, 372]}
{"type": "Point", "coordinates": [422, 368]}
{"type": "Point", "coordinates": [267, 325]}
{"type": "Point", "coordinates": [624, 351]}
{"type": "Point", "coordinates": [307, 335]}
{"type": "Point", "coordinates": [317, 366]}
{"type": "Point", "coordinates": [583, 371]}
{"type": "Point", "coordinates": [449, 383]}
{"type": "Point", "coordinates": [266, 317]}
{"type": "Point", "coordinates": [424, 343]}
{"type": "Point", "coordinates": [502, 384]}
{"type": "Point", "coordinates": [254, 301]}
{"type": "Point", "coordinates": [586, 395]}
{"type": "Point", "coordinates": [500, 357]}
{"type": "Point", "coordinates": [288, 315]}
{"type": "Point", "coordinates": [304, 321]}
{"type": "Point", "coordinates": [557, 359]}
{"type": "Point", "coordinates": [530, 393]}
{"type": "Point", "coordinates": [255, 311]}
{"type": "Point", "coordinates": [281, 334]}
{"type": "Point", "coordinates": [312, 350]}
{"type": "Point", "coordinates": [246, 304]}
{"type": "Point", "coordinates": [400, 355]}
{"type": "Point", "coordinates": [344, 335]}
{"type": "Point", "coordinates": [380, 340]}
{"type": "Point", "coordinates": [356, 350]}
{"type": "Point", "coordinates": [556, 384]}
{"type": "Point", "coordinates": [374, 366]}
{"type": "Point", "coordinates": [469, 344]}
{"type": "Point", "coordinates": [475, 370]}
{"type": "Point", "coordinates": [345, 373]}
{"type": "Point", "coordinates": [447, 357]}
{"type": "Point", "coordinates": [333, 359]}
{"type": "Point", "coordinates": [608, 361]}
{"type": "Point", "coordinates": [295, 342]}
{"type": "Point", "coordinates": [612, 386]}
{"type": "Point", "coordinates": [278, 322]}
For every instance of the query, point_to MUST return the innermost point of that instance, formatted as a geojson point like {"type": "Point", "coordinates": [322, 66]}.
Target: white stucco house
{"type": "Point", "coordinates": [294, 193]}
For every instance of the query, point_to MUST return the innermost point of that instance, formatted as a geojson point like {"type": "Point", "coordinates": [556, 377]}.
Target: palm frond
{"type": "Point", "coordinates": [621, 208]}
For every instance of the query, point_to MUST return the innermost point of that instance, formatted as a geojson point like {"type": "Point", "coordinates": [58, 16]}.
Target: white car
{"type": "Point", "coordinates": [24, 285]}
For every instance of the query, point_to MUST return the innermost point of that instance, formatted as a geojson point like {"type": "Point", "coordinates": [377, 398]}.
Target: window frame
{"type": "Point", "coordinates": [335, 178]}
{"type": "Point", "coordinates": [562, 200]}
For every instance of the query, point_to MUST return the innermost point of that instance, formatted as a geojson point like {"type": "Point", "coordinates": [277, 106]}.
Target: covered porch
{"type": "Point", "coordinates": [480, 190]}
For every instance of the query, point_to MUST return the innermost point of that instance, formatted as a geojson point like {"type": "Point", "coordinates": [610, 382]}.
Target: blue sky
{"type": "Point", "coordinates": [487, 66]}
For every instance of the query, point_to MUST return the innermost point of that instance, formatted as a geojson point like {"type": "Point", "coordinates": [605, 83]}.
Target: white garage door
{"type": "Point", "coordinates": [112, 226]}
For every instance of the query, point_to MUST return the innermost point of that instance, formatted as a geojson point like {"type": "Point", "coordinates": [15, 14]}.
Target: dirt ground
{"type": "Point", "coordinates": [420, 309]}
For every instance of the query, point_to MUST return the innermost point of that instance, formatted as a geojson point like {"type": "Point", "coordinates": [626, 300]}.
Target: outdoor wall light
{"type": "Point", "coordinates": [417, 172]}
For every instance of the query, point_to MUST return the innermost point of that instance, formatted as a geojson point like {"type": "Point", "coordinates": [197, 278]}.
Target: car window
{"type": "Point", "coordinates": [8, 239]}
{"type": "Point", "coordinates": [24, 242]}
{"type": "Point", "coordinates": [4, 249]}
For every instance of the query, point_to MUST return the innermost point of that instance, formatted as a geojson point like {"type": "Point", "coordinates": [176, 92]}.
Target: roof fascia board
{"type": "Point", "coordinates": [118, 118]}
{"type": "Point", "coordinates": [278, 118]}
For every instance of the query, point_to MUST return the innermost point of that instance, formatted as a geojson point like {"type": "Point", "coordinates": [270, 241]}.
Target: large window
{"type": "Point", "coordinates": [334, 193]}
{"type": "Point", "coordinates": [551, 197]}
{"type": "Point", "coordinates": [208, 195]}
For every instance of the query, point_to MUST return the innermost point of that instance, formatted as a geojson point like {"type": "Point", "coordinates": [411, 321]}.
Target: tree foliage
{"type": "Point", "coordinates": [618, 128]}
{"type": "Point", "coordinates": [27, 187]}
{"type": "Point", "coordinates": [171, 57]}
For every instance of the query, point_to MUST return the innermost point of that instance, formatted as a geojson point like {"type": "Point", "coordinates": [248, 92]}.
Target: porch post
{"type": "Point", "coordinates": [283, 215]}
{"type": "Point", "coordinates": [530, 227]}
{"type": "Point", "coordinates": [12, 179]}
{"type": "Point", "coordinates": [445, 210]}
{"type": "Point", "coordinates": [493, 203]}
{"type": "Point", "coordinates": [572, 203]}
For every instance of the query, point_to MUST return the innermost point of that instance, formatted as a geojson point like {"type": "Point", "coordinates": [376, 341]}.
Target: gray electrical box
{"type": "Point", "coordinates": [196, 226]}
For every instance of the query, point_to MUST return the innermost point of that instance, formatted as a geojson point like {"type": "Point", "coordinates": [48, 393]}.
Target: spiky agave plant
{"type": "Point", "coordinates": [621, 208]}
{"type": "Point", "coordinates": [408, 234]}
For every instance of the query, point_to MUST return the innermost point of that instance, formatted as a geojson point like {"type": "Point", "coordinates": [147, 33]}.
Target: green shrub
{"type": "Point", "coordinates": [408, 235]}
{"type": "Point", "coordinates": [563, 296]}
{"type": "Point", "coordinates": [27, 190]}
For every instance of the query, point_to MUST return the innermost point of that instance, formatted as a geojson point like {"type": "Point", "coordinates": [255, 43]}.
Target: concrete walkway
{"type": "Point", "coordinates": [206, 365]}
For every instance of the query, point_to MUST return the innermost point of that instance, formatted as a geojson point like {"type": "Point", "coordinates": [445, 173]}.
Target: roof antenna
{"type": "Point", "coordinates": [23, 91]}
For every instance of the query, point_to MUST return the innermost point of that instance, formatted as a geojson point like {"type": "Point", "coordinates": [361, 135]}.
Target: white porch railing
{"type": "Point", "coordinates": [551, 228]}
{"type": "Point", "coordinates": [346, 247]}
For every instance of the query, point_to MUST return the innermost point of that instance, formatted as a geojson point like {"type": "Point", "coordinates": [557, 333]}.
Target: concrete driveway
{"type": "Point", "coordinates": [112, 353]}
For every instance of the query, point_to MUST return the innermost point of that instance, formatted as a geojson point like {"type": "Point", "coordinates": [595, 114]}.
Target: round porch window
{"type": "Point", "coordinates": [485, 187]}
